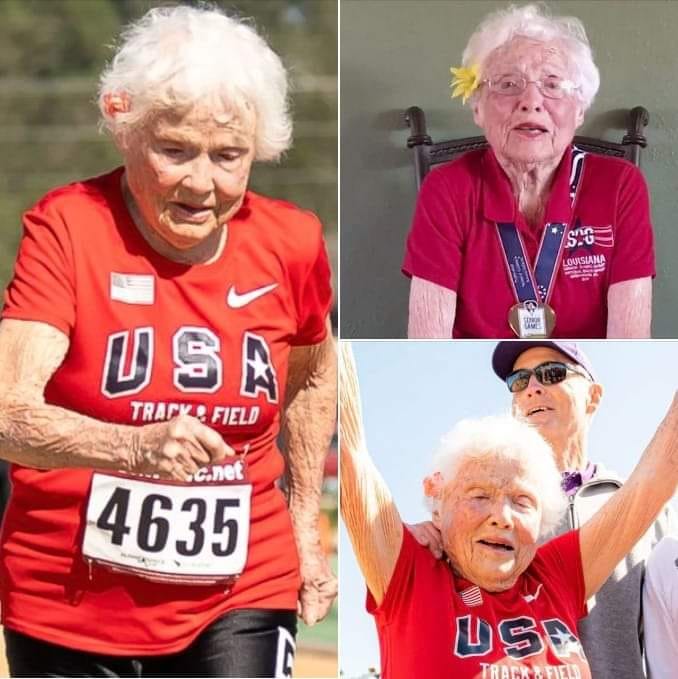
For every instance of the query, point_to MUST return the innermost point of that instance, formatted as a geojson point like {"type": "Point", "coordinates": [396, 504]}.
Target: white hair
{"type": "Point", "coordinates": [175, 57]}
{"type": "Point", "coordinates": [507, 438]}
{"type": "Point", "coordinates": [535, 21]}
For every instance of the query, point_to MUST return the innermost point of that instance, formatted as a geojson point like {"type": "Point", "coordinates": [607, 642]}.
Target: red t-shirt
{"type": "Point", "coordinates": [454, 243]}
{"type": "Point", "coordinates": [434, 624]}
{"type": "Point", "coordinates": [150, 338]}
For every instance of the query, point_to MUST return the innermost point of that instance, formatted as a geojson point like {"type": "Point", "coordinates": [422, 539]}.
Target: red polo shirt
{"type": "Point", "coordinates": [454, 243]}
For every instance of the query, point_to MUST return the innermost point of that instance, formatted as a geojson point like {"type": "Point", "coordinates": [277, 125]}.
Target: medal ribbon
{"type": "Point", "coordinates": [538, 285]}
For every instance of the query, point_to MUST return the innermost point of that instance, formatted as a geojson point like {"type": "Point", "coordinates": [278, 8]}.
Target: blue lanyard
{"type": "Point", "coordinates": [538, 286]}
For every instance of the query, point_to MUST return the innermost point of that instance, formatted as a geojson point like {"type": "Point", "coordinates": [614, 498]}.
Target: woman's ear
{"type": "Point", "coordinates": [478, 117]}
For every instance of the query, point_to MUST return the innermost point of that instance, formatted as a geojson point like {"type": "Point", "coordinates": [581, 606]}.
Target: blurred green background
{"type": "Point", "coordinates": [51, 53]}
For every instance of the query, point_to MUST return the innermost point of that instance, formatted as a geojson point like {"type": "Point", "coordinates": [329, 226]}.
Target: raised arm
{"type": "Point", "coordinates": [368, 510]}
{"type": "Point", "coordinates": [307, 428]}
{"type": "Point", "coordinates": [629, 309]}
{"type": "Point", "coordinates": [36, 434]}
{"type": "Point", "coordinates": [616, 527]}
{"type": "Point", "coordinates": [432, 310]}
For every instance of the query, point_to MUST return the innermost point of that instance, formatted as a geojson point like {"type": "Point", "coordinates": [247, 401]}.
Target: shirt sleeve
{"type": "Point", "coordinates": [43, 288]}
{"type": "Point", "coordinates": [314, 297]}
{"type": "Point", "coordinates": [559, 561]}
{"type": "Point", "coordinates": [633, 254]}
{"type": "Point", "coordinates": [399, 592]}
{"type": "Point", "coordinates": [435, 243]}
{"type": "Point", "coordinates": [660, 609]}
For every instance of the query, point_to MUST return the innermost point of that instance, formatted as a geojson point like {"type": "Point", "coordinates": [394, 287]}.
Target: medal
{"type": "Point", "coordinates": [532, 316]}
{"type": "Point", "coordinates": [532, 320]}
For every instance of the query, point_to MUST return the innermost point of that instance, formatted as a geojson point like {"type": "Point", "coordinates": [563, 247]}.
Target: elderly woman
{"type": "Point", "coordinates": [498, 605]}
{"type": "Point", "coordinates": [531, 237]}
{"type": "Point", "coordinates": [163, 327]}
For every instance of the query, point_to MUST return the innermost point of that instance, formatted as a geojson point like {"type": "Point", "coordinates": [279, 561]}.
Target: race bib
{"type": "Point", "coordinates": [194, 534]}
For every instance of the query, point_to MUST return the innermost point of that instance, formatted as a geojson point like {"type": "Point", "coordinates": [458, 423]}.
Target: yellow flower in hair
{"type": "Point", "coordinates": [466, 81]}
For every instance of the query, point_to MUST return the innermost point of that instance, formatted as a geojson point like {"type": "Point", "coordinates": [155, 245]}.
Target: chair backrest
{"type": "Point", "coordinates": [427, 153]}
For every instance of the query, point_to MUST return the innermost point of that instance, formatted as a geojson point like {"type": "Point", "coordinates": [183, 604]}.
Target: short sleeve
{"type": "Point", "coordinates": [314, 297]}
{"type": "Point", "coordinates": [435, 243]}
{"type": "Point", "coordinates": [633, 255]}
{"type": "Point", "coordinates": [42, 288]}
{"type": "Point", "coordinates": [398, 595]}
{"type": "Point", "coordinates": [559, 561]}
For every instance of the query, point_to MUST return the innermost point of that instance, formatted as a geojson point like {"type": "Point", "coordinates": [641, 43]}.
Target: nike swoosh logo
{"type": "Point", "coordinates": [532, 597]}
{"type": "Point", "coordinates": [237, 301]}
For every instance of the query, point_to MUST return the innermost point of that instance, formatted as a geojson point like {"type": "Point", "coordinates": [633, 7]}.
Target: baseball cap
{"type": "Point", "coordinates": [506, 353]}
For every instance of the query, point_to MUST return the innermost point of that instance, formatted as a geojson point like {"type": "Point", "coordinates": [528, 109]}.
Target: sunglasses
{"type": "Point", "coordinates": [551, 372]}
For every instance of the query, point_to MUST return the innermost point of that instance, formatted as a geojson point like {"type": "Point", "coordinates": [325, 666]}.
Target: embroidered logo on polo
{"type": "Point", "coordinates": [583, 259]}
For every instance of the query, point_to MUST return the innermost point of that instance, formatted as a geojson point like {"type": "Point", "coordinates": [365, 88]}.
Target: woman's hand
{"type": "Point", "coordinates": [318, 584]}
{"type": "Point", "coordinates": [177, 448]}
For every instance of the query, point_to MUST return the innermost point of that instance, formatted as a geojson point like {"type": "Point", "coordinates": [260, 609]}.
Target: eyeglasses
{"type": "Point", "coordinates": [551, 372]}
{"type": "Point", "coordinates": [512, 84]}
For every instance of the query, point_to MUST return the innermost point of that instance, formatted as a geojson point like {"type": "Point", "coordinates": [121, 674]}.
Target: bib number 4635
{"type": "Point", "coordinates": [153, 528]}
{"type": "Point", "coordinates": [193, 531]}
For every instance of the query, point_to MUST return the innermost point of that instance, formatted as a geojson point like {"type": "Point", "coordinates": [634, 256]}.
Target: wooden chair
{"type": "Point", "coordinates": [427, 153]}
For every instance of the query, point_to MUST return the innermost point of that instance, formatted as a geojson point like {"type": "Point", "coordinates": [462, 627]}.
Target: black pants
{"type": "Point", "coordinates": [243, 643]}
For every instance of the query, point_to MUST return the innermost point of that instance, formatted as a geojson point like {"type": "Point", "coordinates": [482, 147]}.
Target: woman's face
{"type": "Point", "coordinates": [527, 127]}
{"type": "Point", "coordinates": [188, 173]}
{"type": "Point", "coordinates": [489, 519]}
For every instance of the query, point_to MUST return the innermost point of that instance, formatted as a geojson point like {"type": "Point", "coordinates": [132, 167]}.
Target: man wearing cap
{"type": "Point", "coordinates": [553, 386]}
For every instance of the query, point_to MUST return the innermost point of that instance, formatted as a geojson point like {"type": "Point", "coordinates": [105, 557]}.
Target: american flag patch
{"type": "Point", "coordinates": [471, 596]}
{"type": "Point", "coordinates": [132, 288]}
{"type": "Point", "coordinates": [603, 235]}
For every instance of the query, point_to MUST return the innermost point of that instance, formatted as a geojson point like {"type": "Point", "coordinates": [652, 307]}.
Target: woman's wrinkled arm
{"type": "Point", "coordinates": [368, 510]}
{"type": "Point", "coordinates": [432, 310]}
{"type": "Point", "coordinates": [34, 433]}
{"type": "Point", "coordinates": [307, 427]}
{"type": "Point", "coordinates": [629, 309]}
{"type": "Point", "coordinates": [37, 434]}
{"type": "Point", "coordinates": [616, 527]}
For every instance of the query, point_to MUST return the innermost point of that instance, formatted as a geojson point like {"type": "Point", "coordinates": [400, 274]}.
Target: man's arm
{"type": "Point", "coordinates": [368, 510]}
{"type": "Point", "coordinates": [629, 309]}
{"type": "Point", "coordinates": [307, 427]}
{"type": "Point", "coordinates": [432, 310]}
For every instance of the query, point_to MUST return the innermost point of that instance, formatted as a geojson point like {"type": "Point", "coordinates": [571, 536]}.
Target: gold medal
{"type": "Point", "coordinates": [532, 320]}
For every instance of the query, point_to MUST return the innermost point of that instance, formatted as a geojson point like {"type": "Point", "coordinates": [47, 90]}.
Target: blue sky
{"type": "Point", "coordinates": [414, 392]}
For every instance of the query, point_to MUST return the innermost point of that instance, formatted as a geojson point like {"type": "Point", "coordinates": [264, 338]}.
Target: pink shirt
{"type": "Point", "coordinates": [453, 241]}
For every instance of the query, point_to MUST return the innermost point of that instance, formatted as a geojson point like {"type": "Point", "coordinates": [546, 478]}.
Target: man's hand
{"type": "Point", "coordinates": [318, 584]}
{"type": "Point", "coordinates": [427, 535]}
